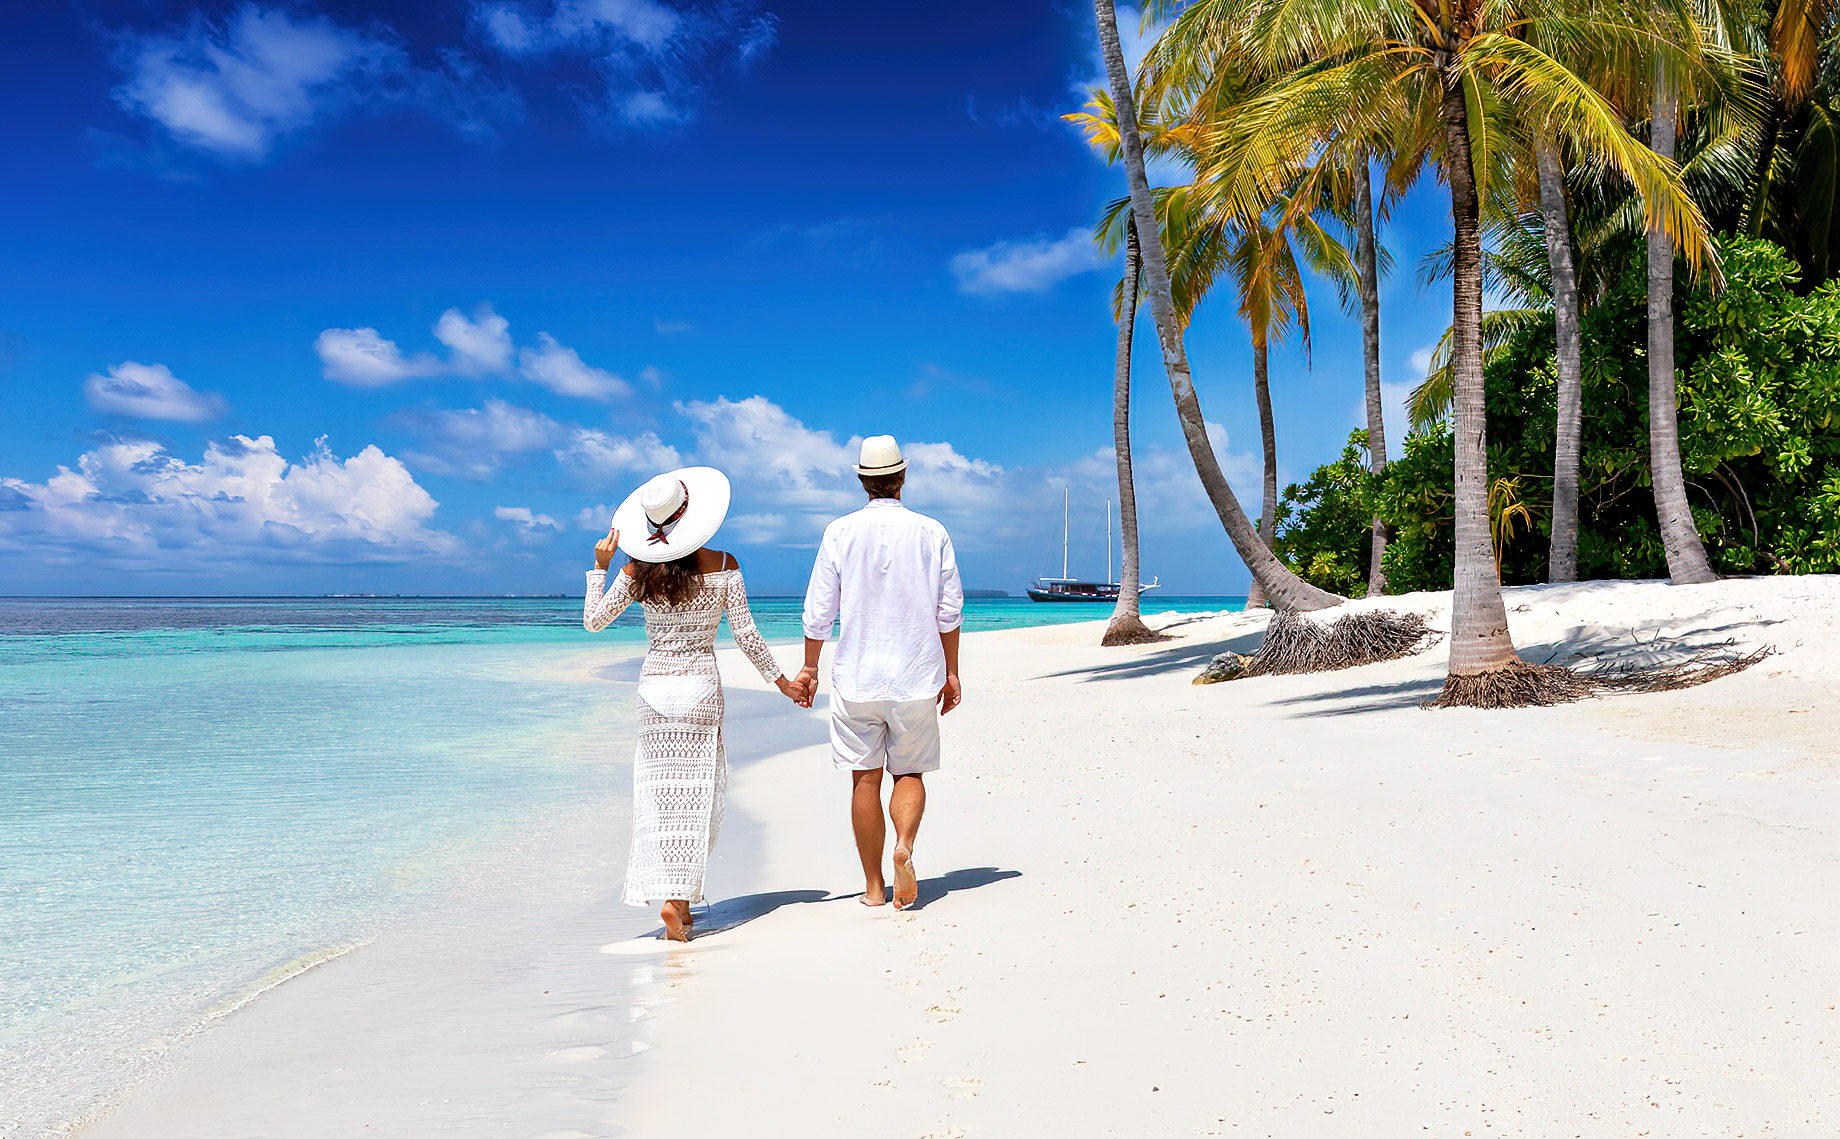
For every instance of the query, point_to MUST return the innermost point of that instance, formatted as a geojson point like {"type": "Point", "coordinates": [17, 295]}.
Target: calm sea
{"type": "Point", "coordinates": [200, 795]}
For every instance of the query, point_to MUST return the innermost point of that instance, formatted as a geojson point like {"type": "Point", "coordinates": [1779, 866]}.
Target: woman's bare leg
{"type": "Point", "coordinates": [871, 832]}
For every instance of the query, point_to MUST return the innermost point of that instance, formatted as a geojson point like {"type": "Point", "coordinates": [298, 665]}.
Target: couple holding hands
{"type": "Point", "coordinates": [885, 576]}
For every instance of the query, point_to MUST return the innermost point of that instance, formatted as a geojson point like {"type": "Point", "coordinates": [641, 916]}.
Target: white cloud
{"type": "Point", "coordinates": [596, 518]}
{"type": "Point", "coordinates": [524, 519]}
{"type": "Point", "coordinates": [1031, 266]}
{"type": "Point", "coordinates": [132, 501]}
{"type": "Point", "coordinates": [473, 443]}
{"type": "Point", "coordinates": [671, 327]}
{"type": "Point", "coordinates": [777, 457]}
{"type": "Point", "coordinates": [234, 87]}
{"type": "Point", "coordinates": [651, 57]}
{"type": "Point", "coordinates": [595, 454]}
{"type": "Point", "coordinates": [150, 391]}
{"type": "Point", "coordinates": [480, 346]}
{"type": "Point", "coordinates": [755, 529]}
{"type": "Point", "coordinates": [1420, 362]}
{"type": "Point", "coordinates": [562, 371]}
{"type": "Point", "coordinates": [363, 359]}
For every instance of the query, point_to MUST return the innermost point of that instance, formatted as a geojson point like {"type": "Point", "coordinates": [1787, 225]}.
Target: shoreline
{"type": "Point", "coordinates": [1286, 906]}
{"type": "Point", "coordinates": [536, 953]}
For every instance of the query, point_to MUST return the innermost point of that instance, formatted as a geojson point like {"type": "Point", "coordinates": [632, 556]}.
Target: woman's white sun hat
{"type": "Point", "coordinates": [672, 515]}
{"type": "Point", "coordinates": [881, 455]}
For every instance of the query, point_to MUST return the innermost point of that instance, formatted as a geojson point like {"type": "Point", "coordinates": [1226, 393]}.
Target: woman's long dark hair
{"type": "Point", "coordinates": [665, 583]}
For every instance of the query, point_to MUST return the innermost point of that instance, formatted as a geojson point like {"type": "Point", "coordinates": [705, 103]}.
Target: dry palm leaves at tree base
{"type": "Point", "coordinates": [1523, 685]}
{"type": "Point", "coordinates": [1293, 643]}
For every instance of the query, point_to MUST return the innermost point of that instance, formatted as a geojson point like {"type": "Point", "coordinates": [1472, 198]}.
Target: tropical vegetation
{"type": "Point", "coordinates": [1656, 402]}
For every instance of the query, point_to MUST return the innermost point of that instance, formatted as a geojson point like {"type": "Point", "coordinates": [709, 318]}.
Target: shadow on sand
{"type": "Point", "coordinates": [933, 889]}
{"type": "Point", "coordinates": [732, 913]}
{"type": "Point", "coordinates": [1180, 658]}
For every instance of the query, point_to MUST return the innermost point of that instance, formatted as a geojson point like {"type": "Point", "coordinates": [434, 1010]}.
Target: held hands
{"type": "Point", "coordinates": [800, 689]}
{"type": "Point", "coordinates": [951, 695]}
{"type": "Point", "coordinates": [606, 548]}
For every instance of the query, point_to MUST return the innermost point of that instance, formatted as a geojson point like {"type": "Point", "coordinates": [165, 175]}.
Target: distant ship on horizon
{"type": "Point", "coordinates": [1064, 588]}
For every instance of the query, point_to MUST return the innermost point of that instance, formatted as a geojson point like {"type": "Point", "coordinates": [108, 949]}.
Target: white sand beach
{"type": "Point", "coordinates": [1287, 906]}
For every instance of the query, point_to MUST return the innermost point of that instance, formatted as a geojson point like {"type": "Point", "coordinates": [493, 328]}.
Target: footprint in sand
{"type": "Point", "coordinates": [948, 1133]}
{"type": "Point", "coordinates": [964, 1087]}
{"type": "Point", "coordinates": [939, 1014]}
{"type": "Point", "coordinates": [576, 1055]}
{"type": "Point", "coordinates": [907, 985]}
{"type": "Point", "coordinates": [915, 1051]}
{"type": "Point", "coordinates": [929, 957]}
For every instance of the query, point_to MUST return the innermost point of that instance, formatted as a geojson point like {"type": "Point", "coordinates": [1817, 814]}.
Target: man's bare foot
{"type": "Point", "coordinates": [906, 886]}
{"type": "Point", "coordinates": [676, 917]}
{"type": "Point", "coordinates": [874, 894]}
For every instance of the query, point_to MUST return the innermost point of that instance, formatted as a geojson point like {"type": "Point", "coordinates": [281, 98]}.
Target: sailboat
{"type": "Point", "coordinates": [1064, 588]}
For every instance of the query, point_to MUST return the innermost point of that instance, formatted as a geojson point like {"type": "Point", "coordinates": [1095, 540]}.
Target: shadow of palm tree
{"type": "Point", "coordinates": [1180, 658]}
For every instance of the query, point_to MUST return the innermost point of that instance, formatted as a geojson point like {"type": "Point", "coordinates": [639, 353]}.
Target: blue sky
{"type": "Point", "coordinates": [314, 297]}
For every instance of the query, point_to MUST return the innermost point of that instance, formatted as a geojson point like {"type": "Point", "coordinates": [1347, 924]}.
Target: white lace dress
{"type": "Point", "coordinates": [679, 770]}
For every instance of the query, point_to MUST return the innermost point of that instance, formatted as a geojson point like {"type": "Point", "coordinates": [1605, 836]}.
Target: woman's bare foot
{"type": "Point", "coordinates": [676, 917]}
{"type": "Point", "coordinates": [874, 893]}
{"type": "Point", "coordinates": [906, 885]}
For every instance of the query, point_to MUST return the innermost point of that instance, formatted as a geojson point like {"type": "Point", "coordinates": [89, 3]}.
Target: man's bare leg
{"type": "Point", "coordinates": [871, 832]}
{"type": "Point", "coordinates": [905, 806]}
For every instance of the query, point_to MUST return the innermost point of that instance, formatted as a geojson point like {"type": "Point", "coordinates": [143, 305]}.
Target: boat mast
{"type": "Point", "coordinates": [1108, 541]}
{"type": "Point", "coordinates": [1066, 500]}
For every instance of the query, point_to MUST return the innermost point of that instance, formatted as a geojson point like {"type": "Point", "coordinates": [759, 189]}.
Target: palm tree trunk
{"type": "Point", "coordinates": [1268, 441]}
{"type": "Point", "coordinates": [1479, 640]}
{"type": "Point", "coordinates": [1127, 623]}
{"type": "Point", "coordinates": [1686, 556]}
{"type": "Point", "coordinates": [1365, 265]}
{"type": "Point", "coordinates": [1284, 587]}
{"type": "Point", "coordinates": [1562, 557]}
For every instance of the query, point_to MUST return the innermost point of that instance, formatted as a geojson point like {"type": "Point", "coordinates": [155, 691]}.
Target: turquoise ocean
{"type": "Point", "coordinates": [201, 796]}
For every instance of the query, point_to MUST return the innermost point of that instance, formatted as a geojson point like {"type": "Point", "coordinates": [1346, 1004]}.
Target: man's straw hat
{"type": "Point", "coordinates": [881, 455]}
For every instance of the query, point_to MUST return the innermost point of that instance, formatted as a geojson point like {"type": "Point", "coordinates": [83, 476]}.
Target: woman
{"type": "Point", "coordinates": [679, 772]}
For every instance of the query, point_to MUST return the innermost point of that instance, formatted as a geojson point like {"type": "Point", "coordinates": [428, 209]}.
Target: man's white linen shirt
{"type": "Point", "coordinates": [891, 576]}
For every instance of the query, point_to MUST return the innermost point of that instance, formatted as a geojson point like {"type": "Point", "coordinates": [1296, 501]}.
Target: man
{"type": "Point", "coordinates": [889, 575]}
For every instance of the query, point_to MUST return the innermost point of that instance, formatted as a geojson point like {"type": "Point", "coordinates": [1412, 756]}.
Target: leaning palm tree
{"type": "Point", "coordinates": [1328, 69]}
{"type": "Point", "coordinates": [1284, 588]}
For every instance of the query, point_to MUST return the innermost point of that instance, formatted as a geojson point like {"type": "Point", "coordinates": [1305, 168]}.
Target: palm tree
{"type": "Point", "coordinates": [1280, 584]}
{"type": "Point", "coordinates": [1368, 277]}
{"type": "Point", "coordinates": [1562, 548]}
{"type": "Point", "coordinates": [1686, 554]}
{"type": "Point", "coordinates": [1203, 243]}
{"type": "Point", "coordinates": [1127, 623]}
{"type": "Point", "coordinates": [1263, 263]}
{"type": "Point", "coordinates": [1467, 78]}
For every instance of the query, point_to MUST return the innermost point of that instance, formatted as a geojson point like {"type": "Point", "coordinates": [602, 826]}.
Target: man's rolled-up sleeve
{"type": "Point", "coordinates": [951, 590]}
{"type": "Point", "coordinates": [823, 594]}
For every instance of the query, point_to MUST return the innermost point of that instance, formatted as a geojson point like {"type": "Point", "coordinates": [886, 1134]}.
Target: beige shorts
{"type": "Point", "coordinates": [900, 736]}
